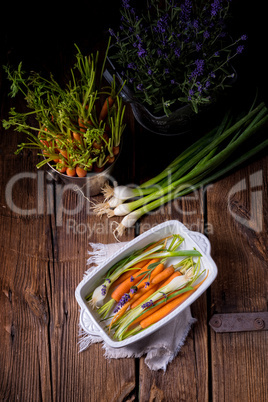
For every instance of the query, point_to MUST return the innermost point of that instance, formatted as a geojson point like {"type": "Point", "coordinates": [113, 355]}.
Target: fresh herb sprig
{"type": "Point", "coordinates": [76, 129]}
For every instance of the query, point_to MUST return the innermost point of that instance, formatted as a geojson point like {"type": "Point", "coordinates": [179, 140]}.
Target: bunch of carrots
{"type": "Point", "coordinates": [145, 286]}
{"type": "Point", "coordinates": [79, 126]}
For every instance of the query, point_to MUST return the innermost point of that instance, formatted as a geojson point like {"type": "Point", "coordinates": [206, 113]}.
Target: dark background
{"type": "Point", "coordinates": [42, 36]}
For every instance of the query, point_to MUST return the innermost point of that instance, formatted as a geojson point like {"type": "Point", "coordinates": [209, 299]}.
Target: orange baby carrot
{"type": "Point", "coordinates": [71, 171]}
{"type": "Point", "coordinates": [143, 296]}
{"type": "Point", "coordinates": [125, 286]}
{"type": "Point", "coordinates": [163, 275]}
{"type": "Point", "coordinates": [124, 276]}
{"type": "Point", "coordinates": [176, 273]}
{"type": "Point", "coordinates": [146, 314]}
{"type": "Point", "coordinates": [119, 314]}
{"type": "Point", "coordinates": [129, 273]}
{"type": "Point", "coordinates": [105, 107]}
{"type": "Point", "coordinates": [150, 276]}
{"type": "Point", "coordinates": [81, 172]}
{"type": "Point", "coordinates": [168, 307]}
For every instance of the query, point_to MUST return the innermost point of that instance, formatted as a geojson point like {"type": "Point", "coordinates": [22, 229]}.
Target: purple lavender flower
{"type": "Point", "coordinates": [198, 47]}
{"type": "Point", "coordinates": [146, 284]}
{"type": "Point", "coordinates": [177, 52]}
{"type": "Point", "coordinates": [125, 4]}
{"type": "Point", "coordinates": [124, 299]}
{"type": "Point", "coordinates": [206, 34]}
{"type": "Point", "coordinates": [199, 87]}
{"type": "Point", "coordinates": [215, 7]}
{"type": "Point", "coordinates": [199, 66]}
{"type": "Point", "coordinates": [166, 71]}
{"type": "Point", "coordinates": [103, 290]}
{"type": "Point", "coordinates": [196, 24]}
{"type": "Point", "coordinates": [149, 71]}
{"type": "Point", "coordinates": [207, 84]}
{"type": "Point", "coordinates": [140, 87]}
{"type": "Point", "coordinates": [198, 70]}
{"type": "Point", "coordinates": [142, 52]}
{"type": "Point", "coordinates": [239, 49]}
{"type": "Point", "coordinates": [132, 66]}
{"type": "Point", "coordinates": [186, 9]}
{"type": "Point", "coordinates": [244, 37]}
{"type": "Point", "coordinates": [131, 279]}
{"type": "Point", "coordinates": [147, 304]}
{"type": "Point", "coordinates": [161, 24]}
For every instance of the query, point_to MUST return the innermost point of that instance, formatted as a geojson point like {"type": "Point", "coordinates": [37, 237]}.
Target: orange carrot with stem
{"type": "Point", "coordinates": [168, 307]}
{"type": "Point", "coordinates": [143, 295]}
{"type": "Point", "coordinates": [81, 172]}
{"type": "Point", "coordinates": [70, 171]}
{"type": "Point", "coordinates": [125, 286]}
{"type": "Point", "coordinates": [160, 305]}
{"type": "Point", "coordinates": [130, 295]}
{"type": "Point", "coordinates": [129, 273]}
{"type": "Point", "coordinates": [105, 107]}
{"type": "Point", "coordinates": [149, 276]}
{"type": "Point", "coordinates": [167, 272]}
{"type": "Point", "coordinates": [176, 273]}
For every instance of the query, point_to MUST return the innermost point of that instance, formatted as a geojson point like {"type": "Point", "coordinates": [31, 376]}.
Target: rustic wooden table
{"type": "Point", "coordinates": [45, 235]}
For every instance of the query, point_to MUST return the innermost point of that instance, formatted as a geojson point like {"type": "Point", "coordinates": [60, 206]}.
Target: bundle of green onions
{"type": "Point", "coordinates": [200, 164]}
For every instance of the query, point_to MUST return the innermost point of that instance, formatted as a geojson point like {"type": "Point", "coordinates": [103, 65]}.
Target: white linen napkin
{"type": "Point", "coordinates": [159, 347]}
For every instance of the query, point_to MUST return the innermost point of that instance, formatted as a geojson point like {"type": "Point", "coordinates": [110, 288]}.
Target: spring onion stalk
{"type": "Point", "coordinates": [206, 166]}
{"type": "Point", "coordinates": [117, 195]}
{"type": "Point", "coordinates": [101, 291]}
{"type": "Point", "coordinates": [185, 161]}
{"type": "Point", "coordinates": [130, 219]}
{"type": "Point", "coordinates": [114, 197]}
{"type": "Point", "coordinates": [176, 284]}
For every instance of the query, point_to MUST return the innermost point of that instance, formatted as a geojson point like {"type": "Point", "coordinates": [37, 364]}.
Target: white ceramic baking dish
{"type": "Point", "coordinates": [89, 318]}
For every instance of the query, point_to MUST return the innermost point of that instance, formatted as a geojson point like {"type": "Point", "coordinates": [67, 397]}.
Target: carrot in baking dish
{"type": "Point", "coordinates": [166, 273]}
{"type": "Point", "coordinates": [168, 307]}
{"type": "Point", "coordinates": [125, 286]}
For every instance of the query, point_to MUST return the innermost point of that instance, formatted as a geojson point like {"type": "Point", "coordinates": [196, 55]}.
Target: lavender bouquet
{"type": "Point", "coordinates": [173, 53]}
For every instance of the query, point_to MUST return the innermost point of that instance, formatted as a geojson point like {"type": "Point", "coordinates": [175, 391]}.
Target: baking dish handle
{"type": "Point", "coordinates": [87, 325]}
{"type": "Point", "coordinates": [201, 240]}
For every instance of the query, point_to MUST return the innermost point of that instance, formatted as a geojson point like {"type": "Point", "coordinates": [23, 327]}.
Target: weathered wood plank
{"type": "Point", "coordinates": [113, 379]}
{"type": "Point", "coordinates": [186, 377]}
{"type": "Point", "coordinates": [236, 210]}
{"type": "Point", "coordinates": [45, 231]}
